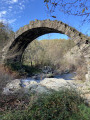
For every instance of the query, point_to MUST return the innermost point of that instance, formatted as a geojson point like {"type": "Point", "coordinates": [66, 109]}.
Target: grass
{"type": "Point", "coordinates": [61, 105]}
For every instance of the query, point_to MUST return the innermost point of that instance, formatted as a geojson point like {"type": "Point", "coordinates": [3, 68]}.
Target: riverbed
{"type": "Point", "coordinates": [66, 76]}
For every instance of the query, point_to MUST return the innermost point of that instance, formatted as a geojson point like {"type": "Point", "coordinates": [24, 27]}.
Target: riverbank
{"type": "Point", "coordinates": [36, 84]}
{"type": "Point", "coordinates": [65, 104]}
{"type": "Point", "coordinates": [19, 96]}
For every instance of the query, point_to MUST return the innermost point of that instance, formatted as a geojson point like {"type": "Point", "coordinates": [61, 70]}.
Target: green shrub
{"type": "Point", "coordinates": [24, 70]}
{"type": "Point", "coordinates": [61, 105]}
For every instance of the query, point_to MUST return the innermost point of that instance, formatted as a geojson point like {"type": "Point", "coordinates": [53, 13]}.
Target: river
{"type": "Point", "coordinates": [67, 76]}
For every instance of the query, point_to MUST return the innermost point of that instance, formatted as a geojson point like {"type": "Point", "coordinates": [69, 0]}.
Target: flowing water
{"type": "Point", "coordinates": [67, 76]}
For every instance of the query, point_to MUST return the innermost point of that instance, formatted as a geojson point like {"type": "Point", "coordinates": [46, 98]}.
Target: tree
{"type": "Point", "coordinates": [6, 34]}
{"type": "Point", "coordinates": [70, 7]}
{"type": "Point", "coordinates": [33, 53]}
{"type": "Point", "coordinates": [47, 53]}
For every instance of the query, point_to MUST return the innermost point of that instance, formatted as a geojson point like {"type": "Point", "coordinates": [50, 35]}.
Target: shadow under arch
{"type": "Point", "coordinates": [20, 43]}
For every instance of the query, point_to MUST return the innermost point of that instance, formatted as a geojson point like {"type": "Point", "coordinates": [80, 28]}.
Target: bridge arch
{"type": "Point", "coordinates": [34, 29]}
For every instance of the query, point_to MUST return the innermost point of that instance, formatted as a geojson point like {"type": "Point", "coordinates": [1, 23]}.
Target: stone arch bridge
{"type": "Point", "coordinates": [13, 51]}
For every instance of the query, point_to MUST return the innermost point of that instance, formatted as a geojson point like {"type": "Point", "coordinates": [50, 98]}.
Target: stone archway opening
{"type": "Point", "coordinates": [46, 46]}
{"type": "Point", "coordinates": [47, 55]}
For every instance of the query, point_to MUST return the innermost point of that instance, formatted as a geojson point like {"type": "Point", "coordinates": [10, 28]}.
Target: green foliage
{"type": "Point", "coordinates": [61, 105]}
{"type": "Point", "coordinates": [23, 70]}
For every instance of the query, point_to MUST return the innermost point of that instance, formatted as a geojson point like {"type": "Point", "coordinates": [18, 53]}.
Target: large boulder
{"type": "Point", "coordinates": [12, 87]}
{"type": "Point", "coordinates": [56, 84]}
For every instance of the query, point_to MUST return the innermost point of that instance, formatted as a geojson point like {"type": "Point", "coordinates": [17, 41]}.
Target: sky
{"type": "Point", "coordinates": [18, 13]}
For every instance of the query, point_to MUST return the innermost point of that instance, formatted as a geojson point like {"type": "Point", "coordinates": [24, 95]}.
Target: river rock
{"type": "Point", "coordinates": [40, 89]}
{"type": "Point", "coordinates": [12, 87]}
{"type": "Point", "coordinates": [28, 84]}
{"type": "Point", "coordinates": [44, 85]}
{"type": "Point", "coordinates": [54, 83]}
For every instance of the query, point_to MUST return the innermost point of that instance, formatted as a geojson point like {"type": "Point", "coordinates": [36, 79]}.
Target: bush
{"type": "Point", "coordinates": [61, 105]}
{"type": "Point", "coordinates": [6, 75]}
{"type": "Point", "coordinates": [23, 70]}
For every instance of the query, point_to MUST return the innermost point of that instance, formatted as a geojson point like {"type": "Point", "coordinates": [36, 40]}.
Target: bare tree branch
{"type": "Point", "coordinates": [70, 7]}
